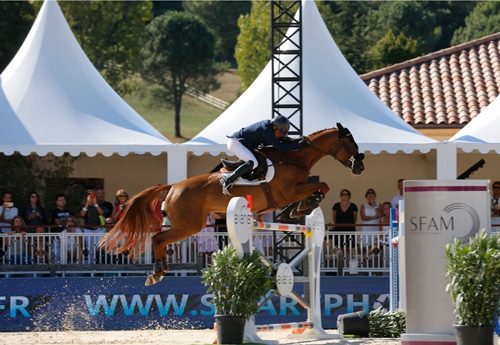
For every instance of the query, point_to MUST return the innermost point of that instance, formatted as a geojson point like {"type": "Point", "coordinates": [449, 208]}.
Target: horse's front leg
{"type": "Point", "coordinates": [160, 266]}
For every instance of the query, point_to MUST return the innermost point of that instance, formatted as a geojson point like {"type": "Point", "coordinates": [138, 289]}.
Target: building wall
{"type": "Point", "coordinates": [133, 173]}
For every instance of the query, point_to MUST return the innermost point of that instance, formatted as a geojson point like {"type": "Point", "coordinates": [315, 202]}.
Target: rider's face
{"type": "Point", "coordinates": [278, 134]}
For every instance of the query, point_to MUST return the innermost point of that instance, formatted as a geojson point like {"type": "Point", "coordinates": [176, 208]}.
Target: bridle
{"type": "Point", "coordinates": [343, 133]}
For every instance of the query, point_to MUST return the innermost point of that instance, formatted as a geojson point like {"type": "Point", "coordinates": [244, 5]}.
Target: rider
{"type": "Point", "coordinates": [268, 133]}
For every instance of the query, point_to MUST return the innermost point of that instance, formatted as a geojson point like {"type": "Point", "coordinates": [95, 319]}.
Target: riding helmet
{"type": "Point", "coordinates": [281, 123]}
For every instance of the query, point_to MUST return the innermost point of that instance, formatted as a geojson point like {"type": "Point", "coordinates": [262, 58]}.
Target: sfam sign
{"type": "Point", "coordinates": [436, 212]}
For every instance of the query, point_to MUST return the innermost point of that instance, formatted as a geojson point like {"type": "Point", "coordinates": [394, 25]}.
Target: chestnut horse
{"type": "Point", "coordinates": [187, 203]}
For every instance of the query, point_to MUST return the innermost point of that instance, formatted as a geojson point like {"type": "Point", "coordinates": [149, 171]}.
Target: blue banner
{"type": "Point", "coordinates": [124, 303]}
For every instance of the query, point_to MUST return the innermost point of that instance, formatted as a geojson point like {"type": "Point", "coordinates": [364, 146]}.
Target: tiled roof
{"type": "Point", "coordinates": [446, 88]}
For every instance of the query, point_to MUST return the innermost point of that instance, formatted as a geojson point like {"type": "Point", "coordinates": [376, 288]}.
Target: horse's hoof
{"type": "Point", "coordinates": [153, 279]}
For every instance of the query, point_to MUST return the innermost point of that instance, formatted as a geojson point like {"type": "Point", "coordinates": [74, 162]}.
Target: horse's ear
{"type": "Point", "coordinates": [339, 126]}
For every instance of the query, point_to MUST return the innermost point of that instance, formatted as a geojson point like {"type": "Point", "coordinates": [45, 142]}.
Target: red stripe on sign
{"type": "Point", "coordinates": [446, 189]}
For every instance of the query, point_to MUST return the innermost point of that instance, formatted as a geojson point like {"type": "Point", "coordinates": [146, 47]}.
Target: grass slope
{"type": "Point", "coordinates": [195, 115]}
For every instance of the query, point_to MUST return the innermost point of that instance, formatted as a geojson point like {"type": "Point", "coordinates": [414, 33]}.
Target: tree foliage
{"type": "Point", "coordinates": [110, 33]}
{"type": "Point", "coordinates": [48, 176]}
{"type": "Point", "coordinates": [178, 52]}
{"type": "Point", "coordinates": [392, 49]}
{"type": "Point", "coordinates": [222, 18]}
{"type": "Point", "coordinates": [483, 20]}
{"type": "Point", "coordinates": [16, 18]}
{"type": "Point", "coordinates": [253, 47]}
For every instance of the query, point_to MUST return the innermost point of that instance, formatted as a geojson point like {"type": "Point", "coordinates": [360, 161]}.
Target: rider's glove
{"type": "Point", "coordinates": [303, 143]}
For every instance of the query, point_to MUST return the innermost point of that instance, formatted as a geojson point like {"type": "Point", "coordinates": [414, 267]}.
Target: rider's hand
{"type": "Point", "coordinates": [303, 143]}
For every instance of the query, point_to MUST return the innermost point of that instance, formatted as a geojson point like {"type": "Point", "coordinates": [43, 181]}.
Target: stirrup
{"type": "Point", "coordinates": [226, 189]}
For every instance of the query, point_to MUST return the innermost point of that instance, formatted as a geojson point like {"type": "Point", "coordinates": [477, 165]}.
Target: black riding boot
{"type": "Point", "coordinates": [240, 171]}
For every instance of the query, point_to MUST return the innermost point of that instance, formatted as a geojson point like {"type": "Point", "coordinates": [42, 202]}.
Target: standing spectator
{"type": "Point", "coordinates": [121, 199]}
{"type": "Point", "coordinates": [7, 211]}
{"type": "Point", "coordinates": [207, 243]}
{"type": "Point", "coordinates": [91, 213]}
{"type": "Point", "coordinates": [60, 213]}
{"type": "Point", "coordinates": [345, 212]}
{"type": "Point", "coordinates": [106, 206]}
{"type": "Point", "coordinates": [34, 213]}
{"type": "Point", "coordinates": [17, 243]}
{"type": "Point", "coordinates": [495, 196]}
{"type": "Point", "coordinates": [395, 200]}
{"type": "Point", "coordinates": [371, 212]}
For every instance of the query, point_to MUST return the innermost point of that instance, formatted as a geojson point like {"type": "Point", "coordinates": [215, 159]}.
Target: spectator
{"type": "Point", "coordinates": [220, 226]}
{"type": "Point", "coordinates": [17, 243]}
{"type": "Point", "coordinates": [91, 213]}
{"type": "Point", "coordinates": [121, 199]}
{"type": "Point", "coordinates": [106, 206]}
{"type": "Point", "coordinates": [495, 196]}
{"type": "Point", "coordinates": [395, 200]}
{"type": "Point", "coordinates": [34, 213]}
{"type": "Point", "coordinates": [74, 244]}
{"type": "Point", "coordinates": [7, 212]}
{"type": "Point", "coordinates": [60, 213]}
{"type": "Point", "coordinates": [207, 243]}
{"type": "Point", "coordinates": [371, 212]}
{"type": "Point", "coordinates": [345, 212]}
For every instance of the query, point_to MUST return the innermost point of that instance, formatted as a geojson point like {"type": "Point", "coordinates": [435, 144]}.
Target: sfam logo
{"type": "Point", "coordinates": [457, 217]}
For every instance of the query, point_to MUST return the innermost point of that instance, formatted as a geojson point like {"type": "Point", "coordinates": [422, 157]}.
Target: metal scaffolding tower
{"type": "Point", "coordinates": [286, 30]}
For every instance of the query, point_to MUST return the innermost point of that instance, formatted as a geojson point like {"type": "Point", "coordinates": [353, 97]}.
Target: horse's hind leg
{"type": "Point", "coordinates": [160, 242]}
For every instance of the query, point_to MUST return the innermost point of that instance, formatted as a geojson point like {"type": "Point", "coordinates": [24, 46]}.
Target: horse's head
{"type": "Point", "coordinates": [347, 151]}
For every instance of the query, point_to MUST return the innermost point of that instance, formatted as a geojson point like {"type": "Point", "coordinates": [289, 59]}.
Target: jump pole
{"type": "Point", "coordinates": [240, 226]}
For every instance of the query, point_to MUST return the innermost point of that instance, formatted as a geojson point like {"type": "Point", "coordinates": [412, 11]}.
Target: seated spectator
{"type": "Point", "coordinates": [106, 206]}
{"type": "Point", "coordinates": [60, 213]}
{"type": "Point", "coordinates": [17, 243]}
{"type": "Point", "coordinates": [121, 199]}
{"type": "Point", "coordinates": [7, 212]}
{"type": "Point", "coordinates": [34, 213]}
{"type": "Point", "coordinates": [74, 244]}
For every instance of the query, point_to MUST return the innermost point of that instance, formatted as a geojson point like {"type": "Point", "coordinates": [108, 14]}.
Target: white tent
{"type": "Point", "coordinates": [53, 100]}
{"type": "Point", "coordinates": [332, 92]}
{"type": "Point", "coordinates": [482, 133]}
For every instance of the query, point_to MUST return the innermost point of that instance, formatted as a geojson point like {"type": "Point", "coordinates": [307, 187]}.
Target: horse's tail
{"type": "Point", "coordinates": [133, 231]}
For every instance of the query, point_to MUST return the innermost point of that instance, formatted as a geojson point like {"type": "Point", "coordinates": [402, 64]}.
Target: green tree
{"type": "Point", "coordinates": [349, 19]}
{"type": "Point", "coordinates": [110, 33]}
{"type": "Point", "coordinates": [47, 175]}
{"type": "Point", "coordinates": [222, 18]}
{"type": "Point", "coordinates": [178, 52]}
{"type": "Point", "coordinates": [392, 49]}
{"type": "Point", "coordinates": [252, 50]}
{"type": "Point", "coordinates": [411, 18]}
{"type": "Point", "coordinates": [16, 19]}
{"type": "Point", "coordinates": [483, 20]}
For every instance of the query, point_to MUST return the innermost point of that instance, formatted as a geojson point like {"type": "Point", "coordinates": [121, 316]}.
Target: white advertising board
{"type": "Point", "coordinates": [436, 212]}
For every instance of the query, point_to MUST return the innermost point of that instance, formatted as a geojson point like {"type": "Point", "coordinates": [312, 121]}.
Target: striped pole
{"type": "Point", "coordinates": [284, 326]}
{"type": "Point", "coordinates": [283, 227]}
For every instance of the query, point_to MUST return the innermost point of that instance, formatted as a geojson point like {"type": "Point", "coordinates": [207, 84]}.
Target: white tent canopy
{"type": "Point", "coordinates": [483, 132]}
{"type": "Point", "coordinates": [53, 100]}
{"type": "Point", "coordinates": [332, 92]}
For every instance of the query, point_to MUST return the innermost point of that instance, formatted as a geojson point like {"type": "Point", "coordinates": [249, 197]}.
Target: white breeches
{"type": "Point", "coordinates": [241, 151]}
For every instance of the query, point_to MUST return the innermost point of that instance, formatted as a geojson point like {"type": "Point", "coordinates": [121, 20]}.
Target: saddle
{"type": "Point", "coordinates": [257, 174]}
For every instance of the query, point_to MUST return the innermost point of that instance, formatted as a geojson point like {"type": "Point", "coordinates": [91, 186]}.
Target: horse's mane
{"type": "Point", "coordinates": [321, 131]}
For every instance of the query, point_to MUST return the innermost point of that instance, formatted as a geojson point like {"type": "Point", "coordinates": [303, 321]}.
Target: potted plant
{"type": "Point", "coordinates": [474, 273]}
{"type": "Point", "coordinates": [238, 285]}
